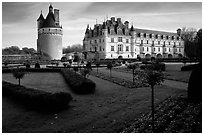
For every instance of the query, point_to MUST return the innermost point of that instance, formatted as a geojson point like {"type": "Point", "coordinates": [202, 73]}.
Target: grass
{"type": "Point", "coordinates": [110, 109]}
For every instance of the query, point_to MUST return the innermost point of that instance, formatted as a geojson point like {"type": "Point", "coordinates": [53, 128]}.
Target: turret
{"type": "Point", "coordinates": [132, 40]}
{"type": "Point", "coordinates": [56, 14]}
{"type": "Point", "coordinates": [50, 8]}
{"type": "Point", "coordinates": [87, 32]}
{"type": "Point", "coordinates": [40, 21]}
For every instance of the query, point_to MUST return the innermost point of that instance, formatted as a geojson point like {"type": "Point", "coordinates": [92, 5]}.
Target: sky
{"type": "Point", "coordinates": [19, 19]}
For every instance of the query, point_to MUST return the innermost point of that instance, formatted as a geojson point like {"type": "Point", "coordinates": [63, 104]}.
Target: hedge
{"type": "Point", "coordinates": [35, 98]}
{"type": "Point", "coordinates": [78, 83]}
{"type": "Point", "coordinates": [154, 66]}
{"type": "Point", "coordinates": [189, 67]}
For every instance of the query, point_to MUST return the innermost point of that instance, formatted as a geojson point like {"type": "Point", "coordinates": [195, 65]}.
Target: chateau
{"type": "Point", "coordinates": [50, 33]}
{"type": "Point", "coordinates": [115, 39]}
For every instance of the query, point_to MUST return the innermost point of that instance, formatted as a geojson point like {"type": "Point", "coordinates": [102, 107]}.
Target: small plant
{"type": "Point", "coordinates": [133, 67]}
{"type": "Point", "coordinates": [110, 66]}
{"type": "Point", "coordinates": [37, 65]}
{"type": "Point", "coordinates": [64, 64]}
{"type": "Point", "coordinates": [88, 65]}
{"type": "Point", "coordinates": [18, 74]}
{"type": "Point", "coordinates": [153, 78]}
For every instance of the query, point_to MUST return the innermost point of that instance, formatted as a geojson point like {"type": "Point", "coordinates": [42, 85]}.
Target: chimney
{"type": "Point", "coordinates": [112, 19]}
{"type": "Point", "coordinates": [56, 14]}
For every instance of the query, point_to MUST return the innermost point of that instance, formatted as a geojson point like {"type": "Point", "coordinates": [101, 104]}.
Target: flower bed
{"type": "Point", "coordinates": [78, 83]}
{"type": "Point", "coordinates": [173, 115]}
{"type": "Point", "coordinates": [35, 98]}
{"type": "Point", "coordinates": [129, 84]}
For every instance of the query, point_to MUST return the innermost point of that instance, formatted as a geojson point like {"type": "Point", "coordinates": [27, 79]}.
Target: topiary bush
{"type": "Point", "coordinates": [195, 85]}
{"type": "Point", "coordinates": [78, 83]}
{"type": "Point", "coordinates": [155, 66]}
{"type": "Point", "coordinates": [35, 98]}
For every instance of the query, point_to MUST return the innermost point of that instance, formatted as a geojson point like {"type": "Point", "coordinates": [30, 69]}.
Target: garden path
{"type": "Point", "coordinates": [128, 76]}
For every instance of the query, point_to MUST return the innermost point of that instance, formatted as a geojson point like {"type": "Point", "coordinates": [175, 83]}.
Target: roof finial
{"type": "Point", "coordinates": [41, 12]}
{"type": "Point", "coordinates": [96, 21]}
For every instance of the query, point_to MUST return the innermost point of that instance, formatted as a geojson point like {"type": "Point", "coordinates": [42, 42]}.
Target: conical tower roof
{"type": "Point", "coordinates": [41, 17]}
{"type": "Point", "coordinates": [50, 20]}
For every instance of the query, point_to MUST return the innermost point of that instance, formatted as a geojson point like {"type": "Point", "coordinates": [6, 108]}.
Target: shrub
{"type": "Point", "coordinates": [154, 66]}
{"type": "Point", "coordinates": [189, 67]}
{"type": "Point", "coordinates": [78, 83]}
{"type": "Point", "coordinates": [37, 65]}
{"type": "Point", "coordinates": [27, 65]}
{"type": "Point", "coordinates": [195, 85]}
{"type": "Point", "coordinates": [35, 98]}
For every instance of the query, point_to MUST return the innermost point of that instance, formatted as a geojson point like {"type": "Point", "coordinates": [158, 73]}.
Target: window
{"type": "Point", "coordinates": [165, 49]}
{"type": "Point", "coordinates": [103, 40]}
{"type": "Point", "coordinates": [112, 40]}
{"type": "Point", "coordinates": [147, 49]}
{"type": "Point", "coordinates": [153, 42]}
{"type": "Point", "coordinates": [177, 38]}
{"type": "Point", "coordinates": [111, 55]}
{"type": "Point", "coordinates": [138, 35]}
{"type": "Point", "coordinates": [95, 41]}
{"type": "Point", "coordinates": [119, 47]}
{"type": "Point", "coordinates": [147, 41]}
{"type": "Point", "coordinates": [142, 48]}
{"type": "Point", "coordinates": [154, 48]}
{"type": "Point", "coordinates": [120, 39]}
{"type": "Point", "coordinates": [169, 49]}
{"type": "Point", "coordinates": [127, 48]}
{"type": "Point", "coordinates": [169, 43]}
{"type": "Point", "coordinates": [179, 49]}
{"type": "Point", "coordinates": [141, 41]}
{"type": "Point", "coordinates": [112, 48]}
{"type": "Point", "coordinates": [90, 49]}
{"type": "Point", "coordinates": [158, 42]}
{"type": "Point", "coordinates": [159, 49]}
{"type": "Point", "coordinates": [127, 40]}
{"type": "Point", "coordinates": [164, 43]}
{"type": "Point", "coordinates": [90, 41]}
{"type": "Point", "coordinates": [174, 43]}
{"type": "Point", "coordinates": [179, 43]}
{"type": "Point", "coordinates": [100, 48]}
{"type": "Point", "coordinates": [167, 37]}
{"type": "Point", "coordinates": [99, 40]}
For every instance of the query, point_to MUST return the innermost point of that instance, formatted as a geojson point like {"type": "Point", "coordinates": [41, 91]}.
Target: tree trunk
{"type": "Point", "coordinates": [19, 81]}
{"type": "Point", "coordinates": [133, 79]}
{"type": "Point", "coordinates": [152, 108]}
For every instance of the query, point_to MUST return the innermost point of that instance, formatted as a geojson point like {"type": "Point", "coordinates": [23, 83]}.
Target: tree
{"type": "Point", "coordinates": [37, 65]}
{"type": "Point", "coordinates": [153, 78]}
{"type": "Point", "coordinates": [198, 40]}
{"type": "Point", "coordinates": [88, 65]}
{"type": "Point", "coordinates": [188, 35]}
{"type": "Point", "coordinates": [110, 66]}
{"type": "Point", "coordinates": [97, 65]}
{"type": "Point", "coordinates": [18, 74]}
{"type": "Point", "coordinates": [64, 64]}
{"type": "Point", "coordinates": [133, 67]}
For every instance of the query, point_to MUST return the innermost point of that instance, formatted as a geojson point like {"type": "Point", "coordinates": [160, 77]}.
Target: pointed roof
{"type": "Point", "coordinates": [132, 29]}
{"type": "Point", "coordinates": [50, 20]}
{"type": "Point", "coordinates": [41, 17]}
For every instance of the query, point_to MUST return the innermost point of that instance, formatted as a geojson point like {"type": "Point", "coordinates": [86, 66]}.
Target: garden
{"type": "Point", "coordinates": [97, 103]}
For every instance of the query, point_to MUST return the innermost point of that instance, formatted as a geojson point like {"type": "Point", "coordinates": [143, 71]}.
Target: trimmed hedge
{"type": "Point", "coordinates": [154, 66]}
{"type": "Point", "coordinates": [35, 98]}
{"type": "Point", "coordinates": [78, 83]}
{"type": "Point", "coordinates": [189, 67]}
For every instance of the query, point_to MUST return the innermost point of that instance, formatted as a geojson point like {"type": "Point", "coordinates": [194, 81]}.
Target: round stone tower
{"type": "Point", "coordinates": [50, 33]}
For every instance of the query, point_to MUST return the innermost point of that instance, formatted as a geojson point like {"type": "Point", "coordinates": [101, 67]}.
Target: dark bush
{"type": "Point", "coordinates": [154, 66]}
{"type": "Point", "coordinates": [34, 70]}
{"type": "Point", "coordinates": [78, 83]}
{"type": "Point", "coordinates": [27, 65]}
{"type": "Point", "coordinates": [34, 98]}
{"type": "Point", "coordinates": [195, 85]}
{"type": "Point", "coordinates": [189, 67]}
{"type": "Point", "coordinates": [37, 65]}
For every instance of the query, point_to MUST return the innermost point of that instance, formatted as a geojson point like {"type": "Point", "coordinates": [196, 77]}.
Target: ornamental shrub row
{"type": "Point", "coordinates": [34, 70]}
{"type": "Point", "coordinates": [78, 83]}
{"type": "Point", "coordinates": [154, 66]}
{"type": "Point", "coordinates": [35, 98]}
{"type": "Point", "coordinates": [189, 67]}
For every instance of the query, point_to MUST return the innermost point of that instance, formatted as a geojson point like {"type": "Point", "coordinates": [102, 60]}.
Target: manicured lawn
{"type": "Point", "coordinates": [110, 109]}
{"type": "Point", "coordinates": [51, 82]}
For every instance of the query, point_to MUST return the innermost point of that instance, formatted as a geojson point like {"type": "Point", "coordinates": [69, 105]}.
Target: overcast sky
{"type": "Point", "coordinates": [19, 20]}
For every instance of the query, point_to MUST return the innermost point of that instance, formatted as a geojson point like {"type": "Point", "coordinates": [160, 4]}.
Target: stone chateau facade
{"type": "Point", "coordinates": [115, 39]}
{"type": "Point", "coordinates": [50, 33]}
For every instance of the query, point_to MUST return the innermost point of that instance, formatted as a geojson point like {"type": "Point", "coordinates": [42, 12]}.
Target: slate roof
{"type": "Point", "coordinates": [155, 32]}
{"type": "Point", "coordinates": [41, 17]}
{"type": "Point", "coordinates": [49, 21]}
